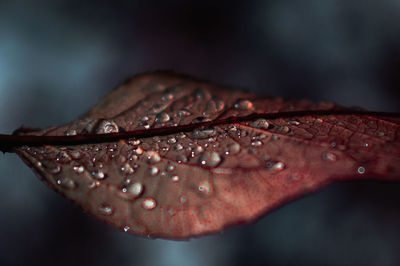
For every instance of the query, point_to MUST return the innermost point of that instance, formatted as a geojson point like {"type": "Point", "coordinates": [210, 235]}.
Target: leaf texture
{"type": "Point", "coordinates": [181, 183]}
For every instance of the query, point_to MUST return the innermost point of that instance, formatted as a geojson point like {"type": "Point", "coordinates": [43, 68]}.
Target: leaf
{"type": "Point", "coordinates": [165, 155]}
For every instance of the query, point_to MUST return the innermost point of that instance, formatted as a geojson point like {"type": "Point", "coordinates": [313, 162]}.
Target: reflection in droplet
{"type": "Point", "coordinates": [243, 104]}
{"type": "Point", "coordinates": [203, 133]}
{"type": "Point", "coordinates": [153, 157]}
{"type": "Point", "coordinates": [210, 159]}
{"type": "Point", "coordinates": [261, 123]}
{"type": "Point", "coordinates": [276, 166]}
{"type": "Point", "coordinates": [162, 117]}
{"type": "Point", "coordinates": [149, 203]}
{"type": "Point", "coordinates": [256, 143]}
{"type": "Point", "coordinates": [106, 127]}
{"type": "Point", "coordinates": [106, 209]}
{"type": "Point", "coordinates": [132, 190]}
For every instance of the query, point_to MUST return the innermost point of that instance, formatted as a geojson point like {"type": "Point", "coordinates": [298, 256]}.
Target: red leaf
{"type": "Point", "coordinates": [168, 156]}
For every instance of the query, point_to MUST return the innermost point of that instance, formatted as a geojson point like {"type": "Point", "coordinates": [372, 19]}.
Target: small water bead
{"type": "Point", "coordinates": [329, 156]}
{"type": "Point", "coordinates": [134, 142]}
{"type": "Point", "coordinates": [67, 183]}
{"type": "Point", "coordinates": [204, 188]}
{"type": "Point", "coordinates": [175, 178]}
{"type": "Point", "coordinates": [146, 126]}
{"type": "Point", "coordinates": [233, 148]}
{"type": "Point", "coordinates": [74, 154]}
{"type": "Point", "coordinates": [126, 228]}
{"type": "Point", "coordinates": [201, 94]}
{"type": "Point", "coordinates": [204, 133]}
{"type": "Point", "coordinates": [139, 151]}
{"type": "Point", "coordinates": [153, 171]}
{"type": "Point", "coordinates": [149, 203]}
{"type": "Point", "coordinates": [127, 169]}
{"type": "Point", "coordinates": [162, 118]}
{"type": "Point", "coordinates": [361, 170]}
{"type": "Point", "coordinates": [98, 174]}
{"type": "Point", "coordinates": [197, 150]}
{"type": "Point", "coordinates": [144, 118]}
{"type": "Point", "coordinates": [106, 209]}
{"type": "Point", "coordinates": [106, 127]}
{"type": "Point", "coordinates": [71, 132]}
{"type": "Point", "coordinates": [184, 113]}
{"type": "Point", "coordinates": [261, 123]}
{"type": "Point", "coordinates": [51, 167]}
{"type": "Point", "coordinates": [172, 211]}
{"type": "Point", "coordinates": [79, 169]}
{"type": "Point", "coordinates": [243, 104]}
{"type": "Point", "coordinates": [276, 166]}
{"type": "Point", "coordinates": [294, 122]}
{"type": "Point", "coordinates": [153, 157]}
{"type": "Point", "coordinates": [94, 184]}
{"type": "Point", "coordinates": [63, 157]}
{"type": "Point", "coordinates": [169, 167]}
{"type": "Point", "coordinates": [171, 140]}
{"type": "Point", "coordinates": [132, 190]}
{"type": "Point", "coordinates": [182, 199]}
{"type": "Point", "coordinates": [178, 147]}
{"type": "Point", "coordinates": [215, 106]}
{"type": "Point", "coordinates": [256, 143]}
{"type": "Point", "coordinates": [284, 129]}
{"type": "Point", "coordinates": [210, 159]}
{"type": "Point", "coordinates": [182, 158]}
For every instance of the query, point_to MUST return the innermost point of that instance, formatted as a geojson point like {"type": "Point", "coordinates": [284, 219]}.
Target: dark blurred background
{"type": "Point", "coordinates": [57, 58]}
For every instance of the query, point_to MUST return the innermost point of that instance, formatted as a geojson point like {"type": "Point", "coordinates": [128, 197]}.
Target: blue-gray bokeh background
{"type": "Point", "coordinates": [57, 58]}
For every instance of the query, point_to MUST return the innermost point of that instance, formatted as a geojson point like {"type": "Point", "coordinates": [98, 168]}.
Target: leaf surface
{"type": "Point", "coordinates": [188, 157]}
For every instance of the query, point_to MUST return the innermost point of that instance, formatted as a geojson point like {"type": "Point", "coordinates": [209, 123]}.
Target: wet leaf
{"type": "Point", "coordinates": [165, 155]}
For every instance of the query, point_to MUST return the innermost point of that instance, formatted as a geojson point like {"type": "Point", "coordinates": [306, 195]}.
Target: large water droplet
{"type": "Point", "coordinates": [106, 209]}
{"type": "Point", "coordinates": [153, 157]}
{"type": "Point", "coordinates": [203, 133]}
{"type": "Point", "coordinates": [243, 104]}
{"type": "Point", "coordinates": [106, 127]}
{"type": "Point", "coordinates": [149, 203]}
{"type": "Point", "coordinates": [261, 123]}
{"type": "Point", "coordinates": [162, 118]}
{"type": "Point", "coordinates": [132, 191]}
{"type": "Point", "coordinates": [210, 159]}
{"type": "Point", "coordinates": [233, 148]}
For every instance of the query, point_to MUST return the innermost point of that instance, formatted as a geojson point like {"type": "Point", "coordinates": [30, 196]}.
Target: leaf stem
{"type": "Point", "coordinates": [9, 142]}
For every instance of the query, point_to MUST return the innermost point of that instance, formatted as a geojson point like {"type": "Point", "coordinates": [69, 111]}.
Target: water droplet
{"type": "Point", "coordinates": [201, 94]}
{"type": "Point", "coordinates": [175, 178]}
{"type": "Point", "coordinates": [256, 143]}
{"type": "Point", "coordinates": [261, 123]}
{"type": "Point", "coordinates": [233, 148]}
{"type": "Point", "coordinates": [79, 169]}
{"type": "Point", "coordinates": [153, 157]}
{"type": "Point", "coordinates": [243, 104]}
{"type": "Point", "coordinates": [106, 209]}
{"type": "Point", "coordinates": [127, 169]}
{"type": "Point", "coordinates": [284, 129]}
{"type": "Point", "coordinates": [215, 106]}
{"type": "Point", "coordinates": [132, 191]}
{"type": "Point", "coordinates": [94, 184]}
{"type": "Point", "coordinates": [361, 170]}
{"type": "Point", "coordinates": [170, 167]}
{"type": "Point", "coordinates": [197, 150]}
{"type": "Point", "coordinates": [171, 140]}
{"type": "Point", "coordinates": [106, 127]}
{"type": "Point", "coordinates": [184, 113]}
{"type": "Point", "coordinates": [182, 199]}
{"type": "Point", "coordinates": [153, 171]}
{"type": "Point", "coordinates": [294, 122]}
{"type": "Point", "coordinates": [126, 228]}
{"type": "Point", "coordinates": [71, 132]}
{"type": "Point", "coordinates": [67, 183]}
{"type": "Point", "coordinates": [182, 158]}
{"type": "Point", "coordinates": [134, 142]}
{"type": "Point", "coordinates": [203, 133]}
{"type": "Point", "coordinates": [329, 156]}
{"type": "Point", "coordinates": [178, 147]}
{"type": "Point", "coordinates": [98, 174]}
{"type": "Point", "coordinates": [139, 151]}
{"type": "Point", "coordinates": [210, 159]}
{"type": "Point", "coordinates": [162, 117]}
{"type": "Point", "coordinates": [171, 211]}
{"type": "Point", "coordinates": [149, 203]}
{"type": "Point", "coordinates": [51, 167]}
{"type": "Point", "coordinates": [204, 188]}
{"type": "Point", "coordinates": [276, 166]}
{"type": "Point", "coordinates": [74, 154]}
